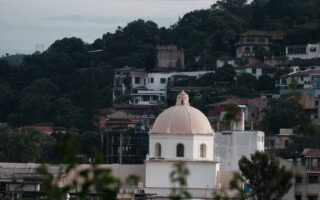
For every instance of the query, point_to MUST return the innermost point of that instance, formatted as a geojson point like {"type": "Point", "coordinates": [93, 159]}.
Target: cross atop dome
{"type": "Point", "coordinates": [182, 99]}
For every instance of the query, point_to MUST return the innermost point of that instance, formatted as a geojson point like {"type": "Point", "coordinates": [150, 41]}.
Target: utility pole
{"type": "Point", "coordinates": [120, 153]}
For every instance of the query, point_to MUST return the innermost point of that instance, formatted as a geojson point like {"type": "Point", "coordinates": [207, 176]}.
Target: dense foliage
{"type": "Point", "coordinates": [285, 112]}
{"type": "Point", "coordinates": [266, 177]}
{"type": "Point", "coordinates": [69, 82]}
{"type": "Point", "coordinates": [30, 145]}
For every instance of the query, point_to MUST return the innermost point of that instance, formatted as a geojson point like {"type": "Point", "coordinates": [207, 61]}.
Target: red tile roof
{"type": "Point", "coordinates": [311, 152]}
{"type": "Point", "coordinates": [315, 169]}
{"type": "Point", "coordinates": [256, 102]}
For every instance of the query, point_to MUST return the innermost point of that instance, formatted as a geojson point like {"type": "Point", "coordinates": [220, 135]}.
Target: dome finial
{"type": "Point", "coordinates": [182, 99]}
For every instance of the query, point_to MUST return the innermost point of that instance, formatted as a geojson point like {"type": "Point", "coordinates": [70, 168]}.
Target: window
{"type": "Point", "coordinates": [250, 40]}
{"type": "Point", "coordinates": [180, 150]}
{"type": "Point", "coordinates": [162, 80]}
{"type": "Point", "coordinates": [155, 98]}
{"type": "Point", "coordinates": [203, 151]}
{"type": "Point", "coordinates": [297, 50]}
{"type": "Point", "coordinates": [313, 49]}
{"type": "Point", "coordinates": [254, 71]}
{"type": "Point", "coordinates": [298, 179]}
{"type": "Point", "coordinates": [158, 150]}
{"type": "Point", "coordinates": [271, 142]}
{"type": "Point", "coordinates": [262, 40]}
{"type": "Point", "coordinates": [150, 80]}
{"type": "Point", "coordinates": [298, 197]}
{"type": "Point", "coordinates": [286, 143]}
{"type": "Point", "coordinates": [137, 80]}
{"type": "Point", "coordinates": [145, 98]}
{"type": "Point", "coordinates": [312, 197]}
{"type": "Point", "coordinates": [313, 179]}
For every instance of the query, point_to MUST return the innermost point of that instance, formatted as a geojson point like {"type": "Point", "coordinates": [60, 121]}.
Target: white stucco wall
{"type": "Point", "coordinates": [231, 146]}
{"type": "Point", "coordinates": [309, 54]}
{"type": "Point", "coordinates": [202, 174]}
{"type": "Point", "coordinates": [191, 144]}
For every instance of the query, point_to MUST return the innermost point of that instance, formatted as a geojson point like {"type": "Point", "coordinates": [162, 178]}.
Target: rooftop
{"type": "Point", "coordinates": [301, 62]}
{"type": "Point", "coordinates": [271, 34]}
{"type": "Point", "coordinates": [303, 73]}
{"type": "Point", "coordinates": [254, 63]}
{"type": "Point", "coordinates": [311, 152]}
{"type": "Point", "coordinates": [255, 102]}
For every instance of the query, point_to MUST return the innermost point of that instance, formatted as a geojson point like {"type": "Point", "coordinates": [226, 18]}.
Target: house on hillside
{"type": "Point", "coordinates": [255, 68]}
{"type": "Point", "coordinates": [307, 175]}
{"type": "Point", "coordinates": [279, 141]}
{"type": "Point", "coordinates": [253, 42]}
{"type": "Point", "coordinates": [305, 51]}
{"type": "Point", "coordinates": [144, 88]}
{"type": "Point", "coordinates": [300, 64]}
{"type": "Point", "coordinates": [249, 112]}
{"type": "Point", "coordinates": [303, 82]}
{"type": "Point", "coordinates": [118, 120]}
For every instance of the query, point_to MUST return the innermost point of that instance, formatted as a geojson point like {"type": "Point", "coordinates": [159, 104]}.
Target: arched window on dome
{"type": "Point", "coordinates": [158, 150]}
{"type": "Point", "coordinates": [203, 151]}
{"type": "Point", "coordinates": [180, 150]}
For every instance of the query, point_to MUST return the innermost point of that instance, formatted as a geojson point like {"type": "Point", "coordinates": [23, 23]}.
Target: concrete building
{"type": "Point", "coordinates": [147, 88]}
{"type": "Point", "coordinates": [118, 120]}
{"type": "Point", "coordinates": [307, 175]}
{"type": "Point", "coordinates": [230, 146]}
{"type": "Point", "coordinates": [299, 65]}
{"type": "Point", "coordinates": [254, 42]}
{"type": "Point", "coordinates": [279, 141]}
{"type": "Point", "coordinates": [303, 82]}
{"type": "Point", "coordinates": [306, 51]}
{"type": "Point", "coordinates": [169, 57]}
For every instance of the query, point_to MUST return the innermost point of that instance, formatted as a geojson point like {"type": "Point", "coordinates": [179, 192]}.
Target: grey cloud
{"type": "Point", "coordinates": [86, 19]}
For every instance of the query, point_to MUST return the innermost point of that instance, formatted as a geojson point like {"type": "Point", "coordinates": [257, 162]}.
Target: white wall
{"type": "Point", "coordinates": [157, 85]}
{"type": "Point", "coordinates": [191, 144]}
{"type": "Point", "coordinates": [309, 52]}
{"type": "Point", "coordinates": [249, 71]}
{"type": "Point", "coordinates": [232, 146]}
{"type": "Point", "coordinates": [202, 174]}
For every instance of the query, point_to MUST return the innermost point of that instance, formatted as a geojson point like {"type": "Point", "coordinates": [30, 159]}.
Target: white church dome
{"type": "Point", "coordinates": [182, 119]}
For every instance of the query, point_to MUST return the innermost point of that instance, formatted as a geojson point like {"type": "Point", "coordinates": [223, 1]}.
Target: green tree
{"type": "Point", "coordinates": [246, 80]}
{"type": "Point", "coordinates": [265, 83]}
{"type": "Point", "coordinates": [285, 112]}
{"type": "Point", "coordinates": [267, 179]}
{"type": "Point", "coordinates": [179, 180]}
{"type": "Point", "coordinates": [26, 145]}
{"type": "Point", "coordinates": [225, 74]}
{"type": "Point", "coordinates": [233, 6]}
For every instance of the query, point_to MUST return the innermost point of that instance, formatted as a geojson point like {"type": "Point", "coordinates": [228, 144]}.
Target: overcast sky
{"type": "Point", "coordinates": [26, 23]}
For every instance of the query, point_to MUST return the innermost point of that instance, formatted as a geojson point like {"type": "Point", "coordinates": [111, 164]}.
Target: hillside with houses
{"type": "Point", "coordinates": [238, 61]}
{"type": "Point", "coordinates": [237, 80]}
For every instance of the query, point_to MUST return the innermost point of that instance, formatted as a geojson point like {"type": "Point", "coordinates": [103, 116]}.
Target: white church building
{"type": "Point", "coordinates": [182, 133]}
